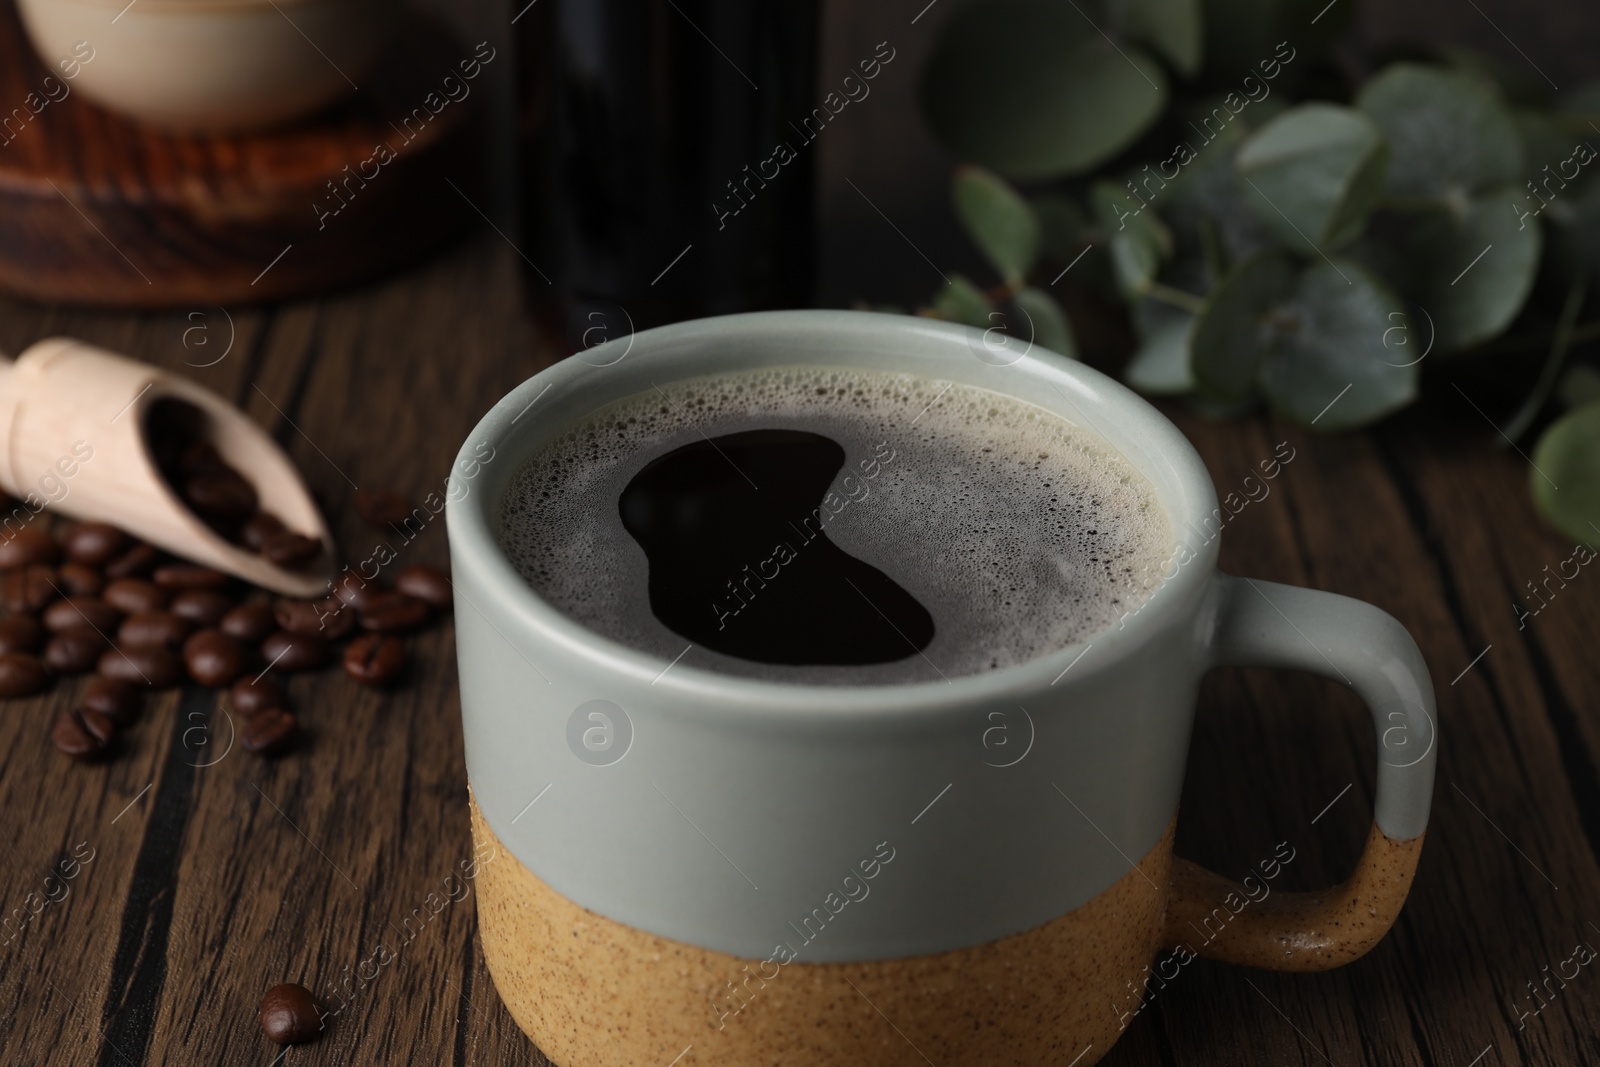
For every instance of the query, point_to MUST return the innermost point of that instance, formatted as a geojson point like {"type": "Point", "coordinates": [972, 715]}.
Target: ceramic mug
{"type": "Point", "coordinates": [691, 868]}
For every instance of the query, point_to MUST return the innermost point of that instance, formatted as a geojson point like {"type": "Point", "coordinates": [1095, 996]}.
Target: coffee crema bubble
{"type": "Point", "coordinates": [1017, 532]}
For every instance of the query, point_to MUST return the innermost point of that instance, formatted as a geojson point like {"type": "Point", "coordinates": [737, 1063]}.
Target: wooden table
{"type": "Point", "coordinates": [210, 883]}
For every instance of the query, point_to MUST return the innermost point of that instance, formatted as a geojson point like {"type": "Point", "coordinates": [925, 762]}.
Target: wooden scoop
{"type": "Point", "coordinates": [72, 436]}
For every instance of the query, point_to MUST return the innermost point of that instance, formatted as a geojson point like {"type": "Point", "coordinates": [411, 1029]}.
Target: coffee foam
{"type": "Point", "coordinates": [1020, 532]}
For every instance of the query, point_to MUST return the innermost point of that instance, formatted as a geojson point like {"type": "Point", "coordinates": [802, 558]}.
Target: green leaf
{"type": "Point", "coordinates": [1171, 27]}
{"type": "Point", "coordinates": [1568, 456]}
{"type": "Point", "coordinates": [1061, 226]}
{"type": "Point", "coordinates": [1472, 271]}
{"type": "Point", "coordinates": [1051, 329]}
{"type": "Point", "coordinates": [1317, 170]}
{"type": "Point", "coordinates": [1135, 236]}
{"type": "Point", "coordinates": [1449, 134]}
{"type": "Point", "coordinates": [1160, 366]}
{"type": "Point", "coordinates": [1030, 89]}
{"type": "Point", "coordinates": [963, 302]}
{"type": "Point", "coordinates": [1233, 332]}
{"type": "Point", "coordinates": [1001, 223]}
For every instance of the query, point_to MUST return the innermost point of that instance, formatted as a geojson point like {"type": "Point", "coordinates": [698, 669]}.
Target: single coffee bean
{"type": "Point", "coordinates": [28, 545]}
{"type": "Point", "coordinates": [375, 659]}
{"type": "Point", "coordinates": [213, 658]}
{"type": "Point", "coordinates": [75, 650]}
{"type": "Point", "coordinates": [118, 700]}
{"type": "Point", "coordinates": [29, 589]}
{"type": "Point", "coordinates": [382, 508]}
{"type": "Point", "coordinates": [289, 1014]}
{"type": "Point", "coordinates": [252, 695]}
{"type": "Point", "coordinates": [20, 633]}
{"type": "Point", "coordinates": [152, 666]}
{"type": "Point", "coordinates": [249, 622]}
{"type": "Point", "coordinates": [271, 732]}
{"type": "Point", "coordinates": [77, 579]}
{"type": "Point", "coordinates": [289, 549]}
{"type": "Point", "coordinates": [300, 617]}
{"type": "Point", "coordinates": [350, 588]}
{"type": "Point", "coordinates": [258, 527]}
{"type": "Point", "coordinates": [203, 607]}
{"type": "Point", "coordinates": [200, 457]}
{"type": "Point", "coordinates": [22, 675]}
{"type": "Point", "coordinates": [154, 628]}
{"type": "Point", "coordinates": [136, 562]}
{"type": "Point", "coordinates": [81, 611]}
{"type": "Point", "coordinates": [83, 733]}
{"type": "Point", "coordinates": [293, 652]}
{"type": "Point", "coordinates": [430, 585]}
{"type": "Point", "coordinates": [393, 612]}
{"type": "Point", "coordinates": [224, 495]}
{"type": "Point", "coordinates": [134, 595]}
{"type": "Point", "coordinates": [189, 576]}
{"type": "Point", "coordinates": [94, 544]}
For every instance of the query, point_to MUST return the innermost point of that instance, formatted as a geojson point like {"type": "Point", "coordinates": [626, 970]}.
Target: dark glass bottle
{"type": "Point", "coordinates": [654, 187]}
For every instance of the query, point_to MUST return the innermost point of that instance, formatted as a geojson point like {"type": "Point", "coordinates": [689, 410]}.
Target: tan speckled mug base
{"type": "Point", "coordinates": [592, 992]}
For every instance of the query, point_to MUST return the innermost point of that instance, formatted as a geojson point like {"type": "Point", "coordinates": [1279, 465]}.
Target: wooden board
{"type": "Point", "coordinates": [218, 882]}
{"type": "Point", "coordinates": [96, 209]}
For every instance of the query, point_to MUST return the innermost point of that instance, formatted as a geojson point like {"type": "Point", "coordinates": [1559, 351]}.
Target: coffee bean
{"type": "Point", "coordinates": [83, 733]}
{"type": "Point", "coordinates": [154, 628]}
{"type": "Point", "coordinates": [136, 562]}
{"type": "Point", "coordinates": [213, 658]}
{"type": "Point", "coordinates": [199, 457]}
{"type": "Point", "coordinates": [22, 675]}
{"type": "Point", "coordinates": [153, 666]}
{"type": "Point", "coordinates": [203, 607]}
{"type": "Point", "coordinates": [382, 508]}
{"type": "Point", "coordinates": [292, 652]}
{"type": "Point", "coordinates": [28, 545]}
{"type": "Point", "coordinates": [249, 622]}
{"type": "Point", "coordinates": [29, 589]}
{"type": "Point", "coordinates": [300, 616]}
{"type": "Point", "coordinates": [258, 527]}
{"type": "Point", "coordinates": [115, 699]}
{"type": "Point", "coordinates": [375, 659]}
{"type": "Point", "coordinates": [289, 1014]}
{"type": "Point", "coordinates": [271, 732]}
{"type": "Point", "coordinates": [189, 576]}
{"type": "Point", "coordinates": [80, 580]}
{"type": "Point", "coordinates": [81, 611]}
{"type": "Point", "coordinates": [428, 584]}
{"type": "Point", "coordinates": [133, 595]}
{"type": "Point", "coordinates": [75, 650]}
{"type": "Point", "coordinates": [393, 612]}
{"type": "Point", "coordinates": [224, 495]}
{"type": "Point", "coordinates": [289, 549]}
{"type": "Point", "coordinates": [251, 695]}
{"type": "Point", "coordinates": [20, 633]}
{"type": "Point", "coordinates": [350, 588]}
{"type": "Point", "coordinates": [94, 544]}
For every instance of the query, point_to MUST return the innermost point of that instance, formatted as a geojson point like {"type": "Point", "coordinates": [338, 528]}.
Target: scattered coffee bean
{"type": "Point", "coordinates": [375, 659]}
{"type": "Point", "coordinates": [258, 527]}
{"type": "Point", "coordinates": [271, 732]}
{"type": "Point", "coordinates": [29, 589]}
{"type": "Point", "coordinates": [28, 545]}
{"type": "Point", "coordinates": [154, 628]}
{"type": "Point", "coordinates": [94, 544]}
{"type": "Point", "coordinates": [382, 508]}
{"type": "Point", "coordinates": [350, 588]}
{"type": "Point", "coordinates": [430, 585]}
{"type": "Point", "coordinates": [289, 549]}
{"type": "Point", "coordinates": [117, 700]}
{"type": "Point", "coordinates": [338, 620]}
{"type": "Point", "coordinates": [153, 666]}
{"type": "Point", "coordinates": [136, 562]}
{"type": "Point", "coordinates": [189, 576]}
{"type": "Point", "coordinates": [133, 595]}
{"type": "Point", "coordinates": [20, 633]}
{"type": "Point", "coordinates": [213, 658]}
{"type": "Point", "coordinates": [301, 616]}
{"type": "Point", "coordinates": [75, 650]}
{"type": "Point", "coordinates": [203, 607]}
{"type": "Point", "coordinates": [293, 652]}
{"type": "Point", "coordinates": [252, 695]}
{"type": "Point", "coordinates": [249, 622]}
{"type": "Point", "coordinates": [81, 611]}
{"type": "Point", "coordinates": [22, 675]}
{"type": "Point", "coordinates": [393, 612]}
{"type": "Point", "coordinates": [83, 733]}
{"type": "Point", "coordinates": [224, 495]}
{"type": "Point", "coordinates": [289, 1014]}
{"type": "Point", "coordinates": [78, 579]}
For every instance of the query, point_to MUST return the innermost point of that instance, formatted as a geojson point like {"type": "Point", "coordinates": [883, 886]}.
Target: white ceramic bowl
{"type": "Point", "coordinates": [211, 65]}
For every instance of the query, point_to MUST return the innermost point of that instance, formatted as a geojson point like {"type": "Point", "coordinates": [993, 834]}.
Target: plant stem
{"type": "Point", "coordinates": [1560, 345]}
{"type": "Point", "coordinates": [1176, 297]}
{"type": "Point", "coordinates": [1588, 331]}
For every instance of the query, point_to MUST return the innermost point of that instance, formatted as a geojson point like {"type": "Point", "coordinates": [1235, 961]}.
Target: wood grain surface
{"type": "Point", "coordinates": [211, 883]}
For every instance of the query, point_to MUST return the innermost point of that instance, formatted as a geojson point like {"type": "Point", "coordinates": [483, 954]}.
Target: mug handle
{"type": "Point", "coordinates": [1270, 625]}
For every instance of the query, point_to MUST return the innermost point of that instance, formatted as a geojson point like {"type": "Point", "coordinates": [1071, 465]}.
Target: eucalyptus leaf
{"type": "Point", "coordinates": [1171, 27]}
{"type": "Point", "coordinates": [1051, 329]}
{"type": "Point", "coordinates": [1002, 224]}
{"type": "Point", "coordinates": [1135, 236]}
{"type": "Point", "coordinates": [1317, 170]}
{"type": "Point", "coordinates": [1031, 89]}
{"type": "Point", "coordinates": [961, 301]}
{"type": "Point", "coordinates": [1160, 366]}
{"type": "Point", "coordinates": [1565, 474]}
{"type": "Point", "coordinates": [1232, 333]}
{"type": "Point", "coordinates": [1450, 135]}
{"type": "Point", "coordinates": [1062, 226]}
{"type": "Point", "coordinates": [1208, 205]}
